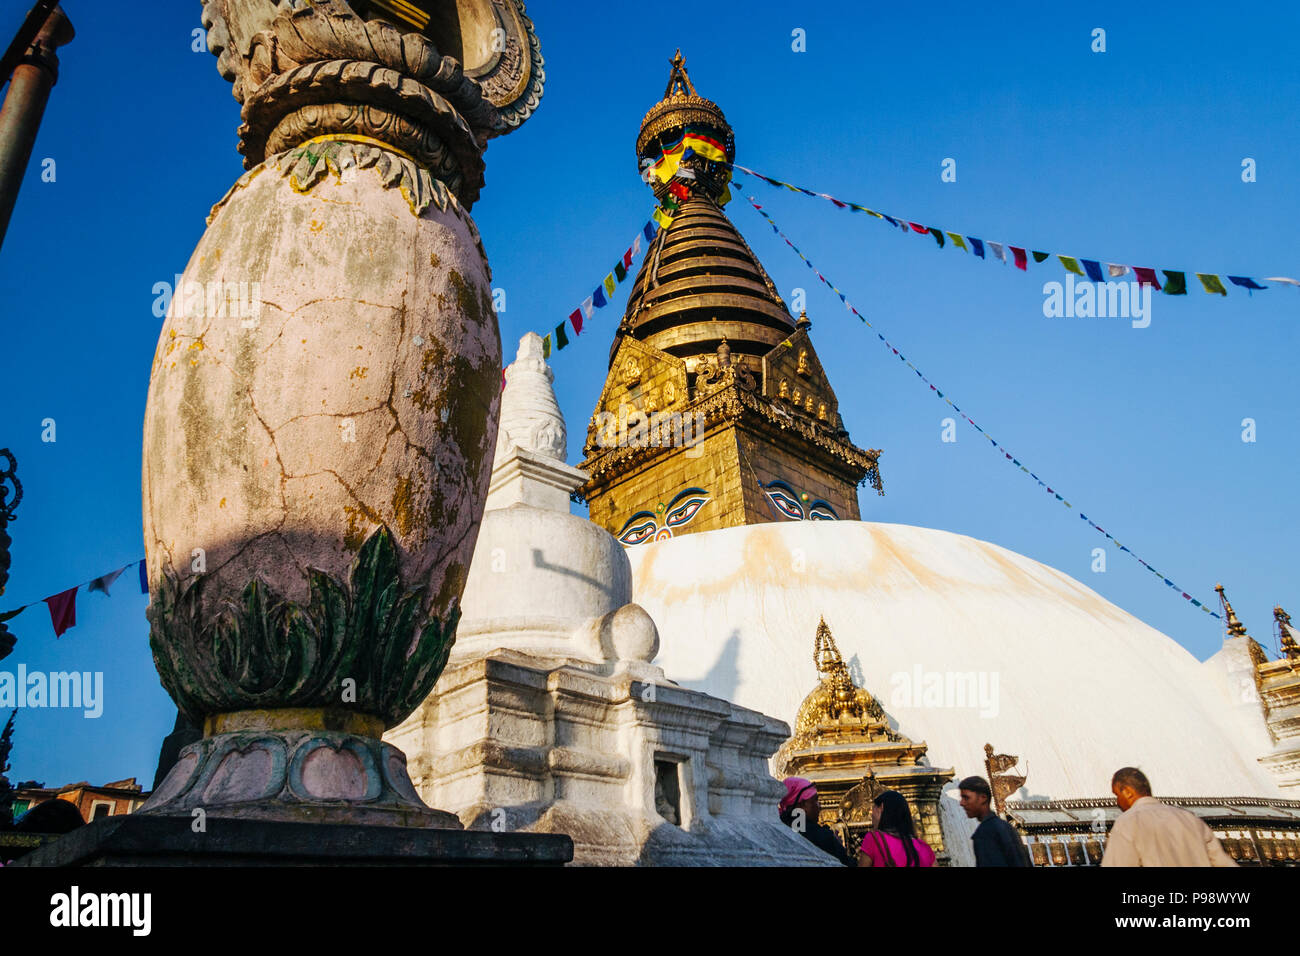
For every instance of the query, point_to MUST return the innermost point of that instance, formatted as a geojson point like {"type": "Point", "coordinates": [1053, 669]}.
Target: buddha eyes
{"type": "Point", "coordinates": [639, 529]}
{"type": "Point", "coordinates": [685, 511]}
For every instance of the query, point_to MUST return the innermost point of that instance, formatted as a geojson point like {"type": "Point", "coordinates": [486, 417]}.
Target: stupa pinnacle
{"type": "Point", "coordinates": [716, 411]}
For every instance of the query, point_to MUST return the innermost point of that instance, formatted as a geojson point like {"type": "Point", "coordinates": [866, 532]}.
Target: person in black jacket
{"type": "Point", "coordinates": [799, 810]}
{"type": "Point", "coordinates": [996, 841]}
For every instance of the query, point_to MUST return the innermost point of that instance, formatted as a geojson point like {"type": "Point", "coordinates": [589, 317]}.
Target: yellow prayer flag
{"type": "Point", "coordinates": [1212, 283]}
{"type": "Point", "coordinates": [958, 241]}
{"type": "Point", "coordinates": [1071, 264]}
{"type": "Point", "coordinates": [610, 284]}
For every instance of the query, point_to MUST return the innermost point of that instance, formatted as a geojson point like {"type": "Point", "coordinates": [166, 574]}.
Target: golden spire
{"type": "Point", "coordinates": [679, 81]}
{"type": "Point", "coordinates": [1235, 627]}
{"type": "Point", "coordinates": [1290, 649]}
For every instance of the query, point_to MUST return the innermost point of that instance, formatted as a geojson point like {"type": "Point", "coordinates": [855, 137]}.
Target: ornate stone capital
{"type": "Point", "coordinates": [432, 79]}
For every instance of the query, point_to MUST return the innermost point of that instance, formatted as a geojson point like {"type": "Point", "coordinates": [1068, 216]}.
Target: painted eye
{"type": "Point", "coordinates": [786, 504]}
{"type": "Point", "coordinates": [686, 510]}
{"type": "Point", "coordinates": [639, 529]}
{"type": "Point", "coordinates": [822, 511]}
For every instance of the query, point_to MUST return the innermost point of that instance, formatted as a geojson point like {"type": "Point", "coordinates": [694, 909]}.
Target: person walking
{"type": "Point", "coordinates": [892, 840]}
{"type": "Point", "coordinates": [800, 809]}
{"type": "Point", "coordinates": [996, 841]}
{"type": "Point", "coordinates": [1151, 833]}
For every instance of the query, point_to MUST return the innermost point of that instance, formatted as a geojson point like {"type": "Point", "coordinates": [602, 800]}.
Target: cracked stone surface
{"type": "Point", "coordinates": [363, 388]}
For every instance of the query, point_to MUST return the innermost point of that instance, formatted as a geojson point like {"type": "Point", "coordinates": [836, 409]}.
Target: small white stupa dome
{"type": "Point", "coordinates": [544, 580]}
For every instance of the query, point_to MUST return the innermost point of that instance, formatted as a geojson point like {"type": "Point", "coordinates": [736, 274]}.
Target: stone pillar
{"type": "Point", "coordinates": [323, 403]}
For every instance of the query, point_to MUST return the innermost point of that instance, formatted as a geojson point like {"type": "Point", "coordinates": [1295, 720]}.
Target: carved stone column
{"type": "Point", "coordinates": [323, 404]}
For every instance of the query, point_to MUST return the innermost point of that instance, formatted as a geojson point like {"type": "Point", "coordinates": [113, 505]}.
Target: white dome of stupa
{"type": "Point", "coordinates": [963, 643]}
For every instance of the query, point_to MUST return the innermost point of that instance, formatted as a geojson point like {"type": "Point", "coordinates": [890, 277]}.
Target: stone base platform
{"type": "Point", "coordinates": [169, 841]}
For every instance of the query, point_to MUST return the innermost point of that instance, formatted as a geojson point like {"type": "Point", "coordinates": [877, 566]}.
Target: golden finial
{"type": "Point", "coordinates": [679, 81]}
{"type": "Point", "coordinates": [825, 654]}
{"type": "Point", "coordinates": [1235, 627]}
{"type": "Point", "coordinates": [1290, 649]}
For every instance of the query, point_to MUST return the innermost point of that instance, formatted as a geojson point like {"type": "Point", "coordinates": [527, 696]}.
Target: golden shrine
{"type": "Point", "coordinates": [843, 742]}
{"type": "Point", "coordinates": [716, 411]}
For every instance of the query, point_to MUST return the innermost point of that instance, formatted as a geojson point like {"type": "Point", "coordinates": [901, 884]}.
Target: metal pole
{"type": "Point", "coordinates": [24, 105]}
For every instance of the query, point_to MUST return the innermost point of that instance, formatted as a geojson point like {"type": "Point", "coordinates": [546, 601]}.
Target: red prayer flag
{"type": "Point", "coordinates": [1021, 258]}
{"type": "Point", "coordinates": [576, 319]}
{"type": "Point", "coordinates": [917, 227]}
{"type": "Point", "coordinates": [63, 611]}
{"type": "Point", "coordinates": [627, 258]}
{"type": "Point", "coordinates": [1146, 277]}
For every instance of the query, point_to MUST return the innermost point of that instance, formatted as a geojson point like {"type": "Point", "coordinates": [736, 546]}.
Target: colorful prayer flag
{"type": "Point", "coordinates": [561, 338]}
{"type": "Point", "coordinates": [1294, 282]}
{"type": "Point", "coordinates": [1022, 261]}
{"type": "Point", "coordinates": [705, 145]}
{"type": "Point", "coordinates": [649, 230]}
{"type": "Point", "coordinates": [997, 250]}
{"type": "Point", "coordinates": [977, 245]}
{"type": "Point", "coordinates": [957, 240]}
{"type": "Point", "coordinates": [63, 611]}
{"type": "Point", "coordinates": [546, 345]}
{"type": "Point", "coordinates": [1146, 276]}
{"type": "Point", "coordinates": [1175, 282]}
{"type": "Point", "coordinates": [588, 306]}
{"type": "Point", "coordinates": [104, 582]}
{"type": "Point", "coordinates": [938, 236]}
{"type": "Point", "coordinates": [620, 271]}
{"type": "Point", "coordinates": [576, 319]}
{"type": "Point", "coordinates": [144, 579]}
{"type": "Point", "coordinates": [1071, 264]}
{"type": "Point", "coordinates": [610, 285]}
{"type": "Point", "coordinates": [1041, 256]}
{"type": "Point", "coordinates": [1115, 270]}
{"type": "Point", "coordinates": [598, 297]}
{"type": "Point", "coordinates": [1245, 282]}
{"type": "Point", "coordinates": [1093, 268]}
{"type": "Point", "coordinates": [917, 227]}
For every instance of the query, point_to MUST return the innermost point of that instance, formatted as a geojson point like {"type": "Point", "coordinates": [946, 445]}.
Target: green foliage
{"type": "Point", "coordinates": [7, 790]}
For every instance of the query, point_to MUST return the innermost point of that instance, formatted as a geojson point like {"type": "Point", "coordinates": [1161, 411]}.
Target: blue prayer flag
{"type": "Point", "coordinates": [1093, 268]}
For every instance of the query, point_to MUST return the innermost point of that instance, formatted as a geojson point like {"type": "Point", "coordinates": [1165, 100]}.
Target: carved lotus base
{"type": "Point", "coordinates": [296, 776]}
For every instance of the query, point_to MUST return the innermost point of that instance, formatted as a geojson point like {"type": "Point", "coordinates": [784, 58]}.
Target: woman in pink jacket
{"type": "Point", "coordinates": [892, 840]}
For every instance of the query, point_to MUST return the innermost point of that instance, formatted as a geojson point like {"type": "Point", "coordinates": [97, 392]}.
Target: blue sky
{"type": "Point", "coordinates": [1133, 155]}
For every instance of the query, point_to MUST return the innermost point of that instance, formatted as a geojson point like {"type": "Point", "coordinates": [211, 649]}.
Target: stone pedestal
{"type": "Point", "coordinates": [137, 840]}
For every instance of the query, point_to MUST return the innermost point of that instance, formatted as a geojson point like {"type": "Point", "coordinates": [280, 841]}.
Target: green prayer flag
{"type": "Point", "coordinates": [561, 338]}
{"type": "Point", "coordinates": [9, 615]}
{"type": "Point", "coordinates": [1212, 283]}
{"type": "Point", "coordinates": [619, 272]}
{"type": "Point", "coordinates": [546, 346]}
{"type": "Point", "coordinates": [1040, 256]}
{"type": "Point", "coordinates": [1175, 282]}
{"type": "Point", "coordinates": [1071, 264]}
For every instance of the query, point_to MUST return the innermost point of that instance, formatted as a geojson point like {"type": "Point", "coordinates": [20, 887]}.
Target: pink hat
{"type": "Point", "coordinates": [797, 789]}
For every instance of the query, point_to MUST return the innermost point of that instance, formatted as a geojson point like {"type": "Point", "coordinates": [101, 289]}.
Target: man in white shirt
{"type": "Point", "coordinates": [1151, 833]}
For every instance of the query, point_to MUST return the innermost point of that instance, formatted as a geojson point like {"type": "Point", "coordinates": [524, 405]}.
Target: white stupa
{"type": "Point", "coordinates": [551, 717]}
{"type": "Point", "coordinates": [963, 643]}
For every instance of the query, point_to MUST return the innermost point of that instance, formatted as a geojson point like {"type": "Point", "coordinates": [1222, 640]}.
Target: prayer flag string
{"type": "Point", "coordinates": [1007, 456]}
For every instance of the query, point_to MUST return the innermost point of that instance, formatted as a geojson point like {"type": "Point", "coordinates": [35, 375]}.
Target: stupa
{"type": "Point", "coordinates": [551, 716]}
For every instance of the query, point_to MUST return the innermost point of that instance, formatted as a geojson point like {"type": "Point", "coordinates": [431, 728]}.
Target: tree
{"type": "Point", "coordinates": [7, 790]}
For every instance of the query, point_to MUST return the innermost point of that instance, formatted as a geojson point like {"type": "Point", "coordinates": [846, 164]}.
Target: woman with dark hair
{"type": "Point", "coordinates": [892, 841]}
